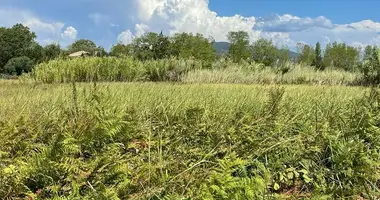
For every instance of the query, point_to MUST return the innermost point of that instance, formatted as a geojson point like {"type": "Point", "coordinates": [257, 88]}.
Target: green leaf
{"type": "Point", "coordinates": [306, 178]}
{"type": "Point", "coordinates": [276, 187]}
{"type": "Point", "coordinates": [281, 177]}
{"type": "Point", "coordinates": [290, 175]}
{"type": "Point", "coordinates": [296, 174]}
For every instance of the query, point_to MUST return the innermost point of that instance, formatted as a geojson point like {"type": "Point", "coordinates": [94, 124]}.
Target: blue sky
{"type": "Point", "coordinates": [339, 11]}
{"type": "Point", "coordinates": [287, 23]}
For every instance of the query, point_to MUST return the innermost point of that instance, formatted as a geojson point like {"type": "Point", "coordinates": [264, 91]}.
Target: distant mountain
{"type": "Point", "coordinates": [293, 55]}
{"type": "Point", "coordinates": [222, 47]}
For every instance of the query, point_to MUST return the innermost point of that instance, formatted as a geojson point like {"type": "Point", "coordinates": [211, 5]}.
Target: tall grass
{"type": "Point", "coordinates": [188, 71]}
{"type": "Point", "coordinates": [256, 74]}
{"type": "Point", "coordinates": [112, 69]}
{"type": "Point", "coordinates": [163, 141]}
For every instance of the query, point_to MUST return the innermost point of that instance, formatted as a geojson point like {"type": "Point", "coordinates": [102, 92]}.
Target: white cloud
{"type": "Point", "coordinates": [290, 23]}
{"type": "Point", "coordinates": [70, 33]}
{"type": "Point", "coordinates": [47, 32]}
{"type": "Point", "coordinates": [125, 37]}
{"type": "Point", "coordinates": [141, 29]}
{"type": "Point", "coordinates": [146, 8]}
{"type": "Point", "coordinates": [172, 16]}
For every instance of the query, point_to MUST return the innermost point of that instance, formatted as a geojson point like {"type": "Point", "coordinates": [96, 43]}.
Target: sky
{"type": "Point", "coordinates": [285, 22]}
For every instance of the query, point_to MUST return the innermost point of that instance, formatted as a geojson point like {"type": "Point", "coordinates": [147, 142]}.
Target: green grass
{"type": "Point", "coordinates": [112, 69]}
{"type": "Point", "coordinates": [297, 74]}
{"type": "Point", "coordinates": [197, 141]}
{"type": "Point", "coordinates": [126, 69]}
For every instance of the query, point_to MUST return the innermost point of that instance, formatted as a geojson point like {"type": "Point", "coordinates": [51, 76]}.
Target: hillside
{"type": "Point", "coordinates": [222, 47]}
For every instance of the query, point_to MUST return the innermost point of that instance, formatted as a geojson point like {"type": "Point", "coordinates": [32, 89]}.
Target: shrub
{"type": "Point", "coordinates": [19, 65]}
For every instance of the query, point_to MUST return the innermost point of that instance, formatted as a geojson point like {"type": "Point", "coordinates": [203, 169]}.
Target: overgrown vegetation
{"type": "Point", "coordinates": [66, 134]}
{"type": "Point", "coordinates": [188, 71]}
{"type": "Point", "coordinates": [159, 141]}
{"type": "Point", "coordinates": [113, 69]}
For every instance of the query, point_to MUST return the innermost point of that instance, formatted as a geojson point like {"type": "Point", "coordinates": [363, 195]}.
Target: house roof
{"type": "Point", "coordinates": [79, 53]}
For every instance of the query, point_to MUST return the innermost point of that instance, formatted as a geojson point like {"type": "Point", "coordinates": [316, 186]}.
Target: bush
{"type": "Point", "coordinates": [19, 65]}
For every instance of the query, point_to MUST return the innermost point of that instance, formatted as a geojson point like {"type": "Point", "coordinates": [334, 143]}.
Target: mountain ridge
{"type": "Point", "coordinates": [222, 48]}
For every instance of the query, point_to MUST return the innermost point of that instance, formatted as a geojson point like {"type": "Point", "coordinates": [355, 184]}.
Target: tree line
{"type": "Point", "coordinates": [19, 51]}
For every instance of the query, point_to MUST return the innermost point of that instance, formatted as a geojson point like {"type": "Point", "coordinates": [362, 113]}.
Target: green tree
{"type": "Point", "coordinates": [306, 54]}
{"type": "Point", "coordinates": [35, 52]}
{"type": "Point", "coordinates": [121, 50]}
{"type": "Point", "coordinates": [19, 65]}
{"type": "Point", "coordinates": [100, 52]}
{"type": "Point", "coordinates": [187, 45]}
{"type": "Point", "coordinates": [14, 42]}
{"type": "Point", "coordinates": [341, 56]}
{"type": "Point", "coordinates": [83, 45]}
{"type": "Point", "coordinates": [318, 61]}
{"type": "Point", "coordinates": [239, 48]}
{"type": "Point", "coordinates": [52, 51]}
{"type": "Point", "coordinates": [143, 46]}
{"type": "Point", "coordinates": [283, 55]}
{"type": "Point", "coordinates": [263, 51]}
{"type": "Point", "coordinates": [370, 66]}
{"type": "Point", "coordinates": [368, 52]}
{"type": "Point", "coordinates": [161, 48]}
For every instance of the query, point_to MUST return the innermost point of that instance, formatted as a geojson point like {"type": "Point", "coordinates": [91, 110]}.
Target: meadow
{"type": "Point", "coordinates": [187, 141]}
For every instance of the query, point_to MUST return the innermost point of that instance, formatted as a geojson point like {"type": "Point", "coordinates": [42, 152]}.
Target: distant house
{"type": "Point", "coordinates": [79, 54]}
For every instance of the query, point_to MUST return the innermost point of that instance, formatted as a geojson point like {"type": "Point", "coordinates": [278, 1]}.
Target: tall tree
{"type": "Point", "coordinates": [161, 47]}
{"type": "Point", "coordinates": [341, 56]}
{"type": "Point", "coordinates": [283, 55]}
{"type": "Point", "coordinates": [318, 62]}
{"type": "Point", "coordinates": [187, 45]}
{"type": "Point", "coordinates": [263, 51]}
{"type": "Point", "coordinates": [368, 52]}
{"type": "Point", "coordinates": [52, 51]}
{"type": "Point", "coordinates": [35, 52]}
{"type": "Point", "coordinates": [370, 66]}
{"type": "Point", "coordinates": [121, 50]}
{"type": "Point", "coordinates": [306, 54]}
{"type": "Point", "coordinates": [239, 48]}
{"type": "Point", "coordinates": [14, 42]}
{"type": "Point", "coordinates": [143, 46]}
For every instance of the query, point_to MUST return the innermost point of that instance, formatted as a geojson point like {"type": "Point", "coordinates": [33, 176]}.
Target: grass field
{"type": "Point", "coordinates": [188, 141]}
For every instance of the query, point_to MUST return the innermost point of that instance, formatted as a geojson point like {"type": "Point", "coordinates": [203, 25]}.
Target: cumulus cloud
{"type": "Point", "coordinates": [172, 16]}
{"type": "Point", "coordinates": [70, 33]}
{"type": "Point", "coordinates": [147, 7]}
{"type": "Point", "coordinates": [47, 32]}
{"type": "Point", "coordinates": [125, 37]}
